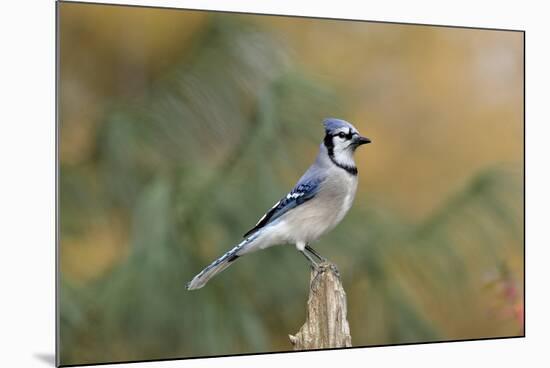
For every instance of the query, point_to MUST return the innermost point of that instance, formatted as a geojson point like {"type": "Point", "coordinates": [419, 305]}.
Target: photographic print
{"type": "Point", "coordinates": [233, 183]}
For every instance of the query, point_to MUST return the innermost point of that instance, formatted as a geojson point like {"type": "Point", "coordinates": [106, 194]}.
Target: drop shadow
{"type": "Point", "coordinates": [46, 358]}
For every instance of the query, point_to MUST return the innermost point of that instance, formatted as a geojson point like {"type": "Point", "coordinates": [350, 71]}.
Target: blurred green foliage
{"type": "Point", "coordinates": [175, 175]}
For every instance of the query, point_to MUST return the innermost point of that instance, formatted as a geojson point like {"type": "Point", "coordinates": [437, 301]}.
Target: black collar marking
{"type": "Point", "coordinates": [329, 144]}
{"type": "Point", "coordinates": [352, 170]}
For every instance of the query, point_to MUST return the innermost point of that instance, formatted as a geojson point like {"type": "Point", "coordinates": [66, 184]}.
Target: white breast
{"type": "Point", "coordinates": [349, 184]}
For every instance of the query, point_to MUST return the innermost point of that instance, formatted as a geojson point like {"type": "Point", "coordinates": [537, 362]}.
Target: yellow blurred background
{"type": "Point", "coordinates": [179, 128]}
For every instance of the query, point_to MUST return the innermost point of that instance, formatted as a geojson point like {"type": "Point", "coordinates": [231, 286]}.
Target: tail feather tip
{"type": "Point", "coordinates": [193, 285]}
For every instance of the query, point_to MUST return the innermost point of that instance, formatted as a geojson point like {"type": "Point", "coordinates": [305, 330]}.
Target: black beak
{"type": "Point", "coordinates": [362, 140]}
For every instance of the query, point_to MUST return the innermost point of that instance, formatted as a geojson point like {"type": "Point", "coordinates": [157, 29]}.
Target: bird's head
{"type": "Point", "coordinates": [341, 140]}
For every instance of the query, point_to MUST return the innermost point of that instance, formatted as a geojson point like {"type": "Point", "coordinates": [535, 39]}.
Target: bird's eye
{"type": "Point", "coordinates": [342, 135]}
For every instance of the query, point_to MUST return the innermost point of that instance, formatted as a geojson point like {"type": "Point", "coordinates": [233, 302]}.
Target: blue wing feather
{"type": "Point", "coordinates": [302, 192]}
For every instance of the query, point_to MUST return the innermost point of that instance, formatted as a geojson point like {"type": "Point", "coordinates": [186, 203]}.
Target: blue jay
{"type": "Point", "coordinates": [318, 202]}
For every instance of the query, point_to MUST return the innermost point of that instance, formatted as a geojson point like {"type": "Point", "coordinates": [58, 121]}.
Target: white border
{"type": "Point", "coordinates": [27, 184]}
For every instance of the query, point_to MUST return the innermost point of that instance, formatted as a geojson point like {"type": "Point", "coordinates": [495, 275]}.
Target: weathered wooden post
{"type": "Point", "coordinates": [326, 323]}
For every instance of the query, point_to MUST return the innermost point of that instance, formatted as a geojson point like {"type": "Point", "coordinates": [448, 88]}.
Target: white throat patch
{"type": "Point", "coordinates": [342, 152]}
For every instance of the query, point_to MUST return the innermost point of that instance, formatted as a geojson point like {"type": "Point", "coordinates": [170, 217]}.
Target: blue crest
{"type": "Point", "coordinates": [332, 124]}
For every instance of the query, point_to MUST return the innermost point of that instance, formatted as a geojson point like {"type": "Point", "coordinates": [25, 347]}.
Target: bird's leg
{"type": "Point", "coordinates": [312, 251]}
{"type": "Point", "coordinates": [312, 262]}
{"type": "Point", "coordinates": [308, 251]}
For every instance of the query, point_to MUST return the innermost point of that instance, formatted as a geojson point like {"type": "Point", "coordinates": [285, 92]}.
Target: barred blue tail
{"type": "Point", "coordinates": [219, 265]}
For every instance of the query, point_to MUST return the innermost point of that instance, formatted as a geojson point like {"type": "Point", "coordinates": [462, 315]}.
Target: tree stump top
{"type": "Point", "coordinates": [326, 323]}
